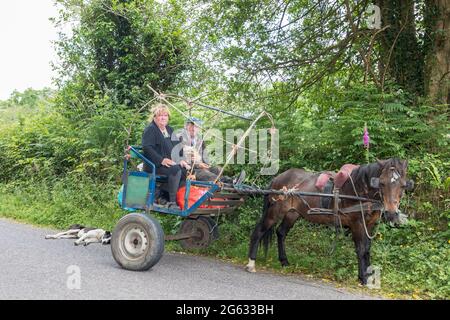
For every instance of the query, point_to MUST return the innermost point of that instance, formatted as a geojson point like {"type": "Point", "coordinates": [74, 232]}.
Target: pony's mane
{"type": "Point", "coordinates": [361, 176]}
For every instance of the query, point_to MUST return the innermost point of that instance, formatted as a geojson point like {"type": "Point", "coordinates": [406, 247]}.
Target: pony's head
{"type": "Point", "coordinates": [391, 184]}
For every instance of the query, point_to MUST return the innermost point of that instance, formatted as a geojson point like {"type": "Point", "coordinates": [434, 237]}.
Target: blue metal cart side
{"type": "Point", "coordinates": [149, 195]}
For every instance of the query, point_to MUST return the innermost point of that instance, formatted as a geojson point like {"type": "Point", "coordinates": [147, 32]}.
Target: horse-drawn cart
{"type": "Point", "coordinates": [137, 241]}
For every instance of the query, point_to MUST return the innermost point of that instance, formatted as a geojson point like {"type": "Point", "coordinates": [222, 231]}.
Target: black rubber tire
{"type": "Point", "coordinates": [207, 229]}
{"type": "Point", "coordinates": [137, 242]}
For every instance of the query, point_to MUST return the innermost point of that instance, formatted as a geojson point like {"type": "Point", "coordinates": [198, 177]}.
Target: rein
{"type": "Point", "coordinates": [362, 210]}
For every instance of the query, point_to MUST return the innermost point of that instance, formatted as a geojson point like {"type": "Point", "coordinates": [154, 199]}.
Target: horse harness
{"type": "Point", "coordinates": [330, 201]}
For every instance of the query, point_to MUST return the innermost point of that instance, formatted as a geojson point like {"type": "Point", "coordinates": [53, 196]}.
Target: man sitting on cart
{"type": "Point", "coordinates": [195, 155]}
{"type": "Point", "coordinates": [157, 146]}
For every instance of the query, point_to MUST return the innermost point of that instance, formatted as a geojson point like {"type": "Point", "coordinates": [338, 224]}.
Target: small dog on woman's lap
{"type": "Point", "coordinates": [84, 235]}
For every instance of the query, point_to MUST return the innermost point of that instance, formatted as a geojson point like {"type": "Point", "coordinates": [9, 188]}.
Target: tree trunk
{"type": "Point", "coordinates": [437, 68]}
{"type": "Point", "coordinates": [401, 54]}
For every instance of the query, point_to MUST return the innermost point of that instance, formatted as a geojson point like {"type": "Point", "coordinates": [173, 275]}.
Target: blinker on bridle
{"type": "Point", "coordinates": [375, 182]}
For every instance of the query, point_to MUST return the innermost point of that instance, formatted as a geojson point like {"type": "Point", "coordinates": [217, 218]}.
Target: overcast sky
{"type": "Point", "coordinates": [25, 44]}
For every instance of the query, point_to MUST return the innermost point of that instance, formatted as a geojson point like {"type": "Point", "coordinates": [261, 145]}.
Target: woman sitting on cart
{"type": "Point", "coordinates": [157, 146]}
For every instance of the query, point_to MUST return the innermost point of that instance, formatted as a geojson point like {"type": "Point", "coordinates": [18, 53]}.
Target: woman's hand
{"type": "Point", "coordinates": [168, 162]}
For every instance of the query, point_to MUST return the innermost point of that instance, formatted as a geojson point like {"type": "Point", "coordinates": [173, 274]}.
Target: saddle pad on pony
{"type": "Point", "coordinates": [323, 179]}
{"type": "Point", "coordinates": [343, 174]}
{"type": "Point", "coordinates": [339, 178]}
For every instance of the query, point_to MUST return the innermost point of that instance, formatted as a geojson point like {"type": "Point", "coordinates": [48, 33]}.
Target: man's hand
{"type": "Point", "coordinates": [203, 165]}
{"type": "Point", "coordinates": [184, 164]}
{"type": "Point", "coordinates": [168, 162]}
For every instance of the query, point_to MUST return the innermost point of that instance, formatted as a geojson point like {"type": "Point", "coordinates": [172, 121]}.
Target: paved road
{"type": "Point", "coordinates": [34, 268]}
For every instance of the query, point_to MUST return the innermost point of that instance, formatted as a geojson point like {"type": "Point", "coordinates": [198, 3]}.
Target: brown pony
{"type": "Point", "coordinates": [383, 180]}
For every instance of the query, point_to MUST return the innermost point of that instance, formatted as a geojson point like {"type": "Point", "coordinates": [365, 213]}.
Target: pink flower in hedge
{"type": "Point", "coordinates": [366, 138]}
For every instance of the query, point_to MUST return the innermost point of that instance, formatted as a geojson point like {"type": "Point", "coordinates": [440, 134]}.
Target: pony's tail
{"type": "Point", "coordinates": [266, 239]}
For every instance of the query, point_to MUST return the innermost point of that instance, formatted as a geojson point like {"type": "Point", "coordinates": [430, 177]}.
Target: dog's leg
{"type": "Point", "coordinates": [81, 239]}
{"type": "Point", "coordinates": [94, 236]}
{"type": "Point", "coordinates": [91, 240]}
{"type": "Point", "coordinates": [56, 236]}
{"type": "Point", "coordinates": [69, 234]}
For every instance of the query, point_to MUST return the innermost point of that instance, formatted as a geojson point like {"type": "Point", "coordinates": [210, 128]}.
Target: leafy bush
{"type": "Point", "coordinates": [46, 144]}
{"type": "Point", "coordinates": [329, 128]}
{"type": "Point", "coordinates": [73, 199]}
{"type": "Point", "coordinates": [117, 48]}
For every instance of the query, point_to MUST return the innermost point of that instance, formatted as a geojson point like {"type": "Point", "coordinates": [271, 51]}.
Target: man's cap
{"type": "Point", "coordinates": [195, 121]}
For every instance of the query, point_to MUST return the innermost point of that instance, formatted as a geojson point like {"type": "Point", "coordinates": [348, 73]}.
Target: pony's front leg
{"type": "Point", "coordinates": [362, 246]}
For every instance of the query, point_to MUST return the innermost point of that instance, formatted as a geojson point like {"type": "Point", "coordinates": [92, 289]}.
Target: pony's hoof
{"type": "Point", "coordinates": [284, 263]}
{"type": "Point", "coordinates": [250, 269]}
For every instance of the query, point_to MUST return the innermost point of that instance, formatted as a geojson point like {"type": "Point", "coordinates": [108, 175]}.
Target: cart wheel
{"type": "Point", "coordinates": [212, 226]}
{"type": "Point", "coordinates": [205, 230]}
{"type": "Point", "coordinates": [137, 242]}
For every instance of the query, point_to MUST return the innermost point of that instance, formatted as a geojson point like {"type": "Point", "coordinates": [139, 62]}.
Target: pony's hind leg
{"type": "Point", "coordinates": [257, 234]}
{"type": "Point", "coordinates": [282, 232]}
{"type": "Point", "coordinates": [263, 229]}
{"type": "Point", "coordinates": [262, 233]}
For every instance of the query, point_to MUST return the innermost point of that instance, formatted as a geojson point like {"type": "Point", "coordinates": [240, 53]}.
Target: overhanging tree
{"type": "Point", "coordinates": [297, 44]}
{"type": "Point", "coordinates": [118, 47]}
